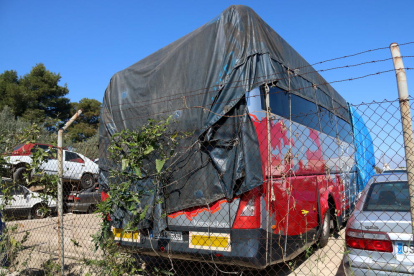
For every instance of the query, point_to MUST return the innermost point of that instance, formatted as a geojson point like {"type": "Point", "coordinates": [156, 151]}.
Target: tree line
{"type": "Point", "coordinates": [37, 98]}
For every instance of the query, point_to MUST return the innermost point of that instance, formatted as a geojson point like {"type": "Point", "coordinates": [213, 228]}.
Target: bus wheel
{"type": "Point", "coordinates": [326, 229]}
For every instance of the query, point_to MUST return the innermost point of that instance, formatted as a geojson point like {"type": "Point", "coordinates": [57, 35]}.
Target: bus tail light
{"type": "Point", "coordinates": [368, 240]}
{"type": "Point", "coordinates": [248, 214]}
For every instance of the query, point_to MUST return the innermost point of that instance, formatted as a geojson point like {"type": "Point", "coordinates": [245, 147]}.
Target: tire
{"type": "Point", "coordinates": [87, 181]}
{"type": "Point", "coordinates": [38, 211]}
{"type": "Point", "coordinates": [18, 175]}
{"type": "Point", "coordinates": [326, 229]}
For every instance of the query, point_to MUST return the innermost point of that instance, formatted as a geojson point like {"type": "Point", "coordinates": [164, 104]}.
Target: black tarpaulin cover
{"type": "Point", "coordinates": [201, 79]}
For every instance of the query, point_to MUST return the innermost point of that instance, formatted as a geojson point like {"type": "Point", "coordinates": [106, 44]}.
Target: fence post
{"type": "Point", "coordinates": [406, 121]}
{"type": "Point", "coordinates": [60, 190]}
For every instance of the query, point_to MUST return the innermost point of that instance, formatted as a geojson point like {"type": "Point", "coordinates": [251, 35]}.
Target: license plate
{"type": "Point", "coordinates": [175, 236]}
{"type": "Point", "coordinates": [404, 249]}
{"type": "Point", "coordinates": [121, 235]}
{"type": "Point", "coordinates": [210, 241]}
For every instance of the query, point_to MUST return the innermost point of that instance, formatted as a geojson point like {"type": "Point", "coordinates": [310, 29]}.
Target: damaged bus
{"type": "Point", "coordinates": [276, 158]}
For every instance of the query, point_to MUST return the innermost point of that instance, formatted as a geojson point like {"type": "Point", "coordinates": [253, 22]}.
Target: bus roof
{"type": "Point", "coordinates": [223, 59]}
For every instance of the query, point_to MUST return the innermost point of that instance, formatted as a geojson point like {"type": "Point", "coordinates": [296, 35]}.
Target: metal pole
{"type": "Point", "coordinates": [269, 173]}
{"type": "Point", "coordinates": [406, 121]}
{"type": "Point", "coordinates": [60, 190]}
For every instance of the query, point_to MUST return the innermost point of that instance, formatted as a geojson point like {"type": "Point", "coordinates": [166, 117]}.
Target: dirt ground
{"type": "Point", "coordinates": [42, 245]}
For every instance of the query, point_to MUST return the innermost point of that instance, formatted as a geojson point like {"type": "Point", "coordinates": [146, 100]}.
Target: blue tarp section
{"type": "Point", "coordinates": [364, 156]}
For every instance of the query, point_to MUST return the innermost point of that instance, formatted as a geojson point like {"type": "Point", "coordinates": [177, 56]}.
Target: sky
{"type": "Point", "coordinates": [89, 41]}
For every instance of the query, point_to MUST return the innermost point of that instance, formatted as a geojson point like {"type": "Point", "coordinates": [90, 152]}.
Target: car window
{"type": "Point", "coordinates": [73, 157]}
{"type": "Point", "coordinates": [41, 147]}
{"type": "Point", "coordinates": [17, 147]}
{"type": "Point", "coordinates": [18, 190]}
{"type": "Point", "coordinates": [388, 196]}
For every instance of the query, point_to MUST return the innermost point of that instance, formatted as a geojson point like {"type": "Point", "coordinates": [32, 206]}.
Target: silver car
{"type": "Point", "coordinates": [85, 201]}
{"type": "Point", "coordinates": [379, 239]}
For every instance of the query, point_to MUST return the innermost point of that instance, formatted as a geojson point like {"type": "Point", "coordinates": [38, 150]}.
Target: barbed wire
{"type": "Point", "coordinates": [359, 64]}
{"type": "Point", "coordinates": [360, 53]}
{"type": "Point", "coordinates": [382, 101]}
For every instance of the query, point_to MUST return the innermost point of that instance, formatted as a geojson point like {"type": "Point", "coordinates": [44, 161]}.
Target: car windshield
{"type": "Point", "coordinates": [388, 196]}
{"type": "Point", "coordinates": [17, 147]}
{"type": "Point", "coordinates": [18, 190]}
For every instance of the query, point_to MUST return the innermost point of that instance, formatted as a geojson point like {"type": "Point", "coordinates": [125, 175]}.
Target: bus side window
{"type": "Point", "coordinates": [344, 130]}
{"type": "Point", "coordinates": [304, 112]}
{"type": "Point", "coordinates": [254, 100]}
{"type": "Point", "coordinates": [279, 102]}
{"type": "Point", "coordinates": [328, 122]}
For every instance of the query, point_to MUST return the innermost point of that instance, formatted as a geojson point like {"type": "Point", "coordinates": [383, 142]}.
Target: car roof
{"type": "Point", "coordinates": [391, 176]}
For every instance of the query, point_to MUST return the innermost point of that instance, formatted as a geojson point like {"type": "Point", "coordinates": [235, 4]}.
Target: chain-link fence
{"type": "Point", "coordinates": [260, 193]}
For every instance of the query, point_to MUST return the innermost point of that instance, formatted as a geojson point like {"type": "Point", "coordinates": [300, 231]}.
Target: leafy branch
{"type": "Point", "coordinates": [142, 160]}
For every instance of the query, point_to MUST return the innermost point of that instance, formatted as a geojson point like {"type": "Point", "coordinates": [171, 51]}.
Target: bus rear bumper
{"type": "Point", "coordinates": [247, 248]}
